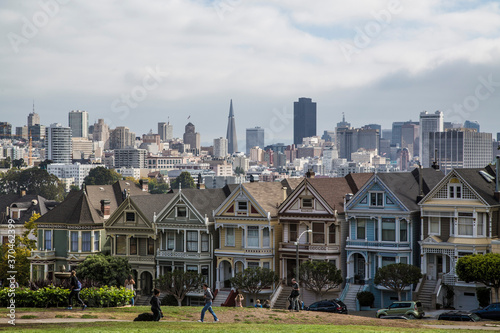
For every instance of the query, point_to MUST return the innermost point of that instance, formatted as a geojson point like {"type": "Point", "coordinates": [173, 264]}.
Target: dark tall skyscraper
{"type": "Point", "coordinates": [304, 119]}
{"type": "Point", "coordinates": [255, 137]}
{"type": "Point", "coordinates": [232, 141]}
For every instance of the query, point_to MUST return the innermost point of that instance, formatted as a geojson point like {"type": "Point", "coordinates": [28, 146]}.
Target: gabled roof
{"type": "Point", "coordinates": [34, 204]}
{"type": "Point", "coordinates": [269, 195]}
{"type": "Point", "coordinates": [205, 201]}
{"type": "Point", "coordinates": [152, 204]}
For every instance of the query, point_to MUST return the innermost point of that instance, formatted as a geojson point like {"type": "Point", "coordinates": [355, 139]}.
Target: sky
{"type": "Point", "coordinates": [137, 63]}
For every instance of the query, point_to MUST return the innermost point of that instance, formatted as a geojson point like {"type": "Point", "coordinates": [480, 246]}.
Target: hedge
{"type": "Point", "coordinates": [55, 296]}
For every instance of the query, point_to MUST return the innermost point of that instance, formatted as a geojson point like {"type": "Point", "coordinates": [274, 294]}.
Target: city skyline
{"type": "Point", "coordinates": [371, 60]}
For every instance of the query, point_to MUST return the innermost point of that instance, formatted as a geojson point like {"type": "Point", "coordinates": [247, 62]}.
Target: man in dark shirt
{"type": "Point", "coordinates": [208, 296]}
{"type": "Point", "coordinates": [155, 305]}
{"type": "Point", "coordinates": [294, 296]}
{"type": "Point", "coordinates": [75, 291]}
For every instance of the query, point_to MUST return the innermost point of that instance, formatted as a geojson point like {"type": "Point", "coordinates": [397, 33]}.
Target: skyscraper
{"type": "Point", "coordinates": [304, 119]}
{"type": "Point", "coordinates": [101, 131]}
{"type": "Point", "coordinates": [121, 137]}
{"type": "Point", "coordinates": [220, 148]}
{"type": "Point", "coordinates": [192, 138]}
{"type": "Point", "coordinates": [33, 119]}
{"type": "Point", "coordinates": [409, 138]}
{"type": "Point", "coordinates": [232, 141]}
{"type": "Point", "coordinates": [429, 123]}
{"type": "Point", "coordinates": [255, 137]}
{"type": "Point", "coordinates": [472, 124]}
{"type": "Point", "coordinates": [79, 123]}
{"type": "Point", "coordinates": [58, 143]}
{"type": "Point", "coordinates": [166, 131]}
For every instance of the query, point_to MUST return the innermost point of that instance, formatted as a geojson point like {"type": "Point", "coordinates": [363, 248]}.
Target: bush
{"type": "Point", "coordinates": [365, 298]}
{"type": "Point", "coordinates": [483, 296]}
{"type": "Point", "coordinates": [55, 297]}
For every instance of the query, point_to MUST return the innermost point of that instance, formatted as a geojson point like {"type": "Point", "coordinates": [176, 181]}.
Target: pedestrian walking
{"type": "Point", "coordinates": [156, 305]}
{"type": "Point", "coordinates": [75, 288]}
{"type": "Point", "coordinates": [294, 296]}
{"type": "Point", "coordinates": [129, 284]}
{"type": "Point", "coordinates": [208, 296]}
{"type": "Point", "coordinates": [238, 300]}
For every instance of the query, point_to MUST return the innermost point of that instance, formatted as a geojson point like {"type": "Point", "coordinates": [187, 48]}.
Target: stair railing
{"type": "Point", "coordinates": [276, 293]}
{"type": "Point", "coordinates": [344, 292]}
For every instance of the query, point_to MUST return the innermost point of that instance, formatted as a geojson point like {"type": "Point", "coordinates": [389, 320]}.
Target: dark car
{"type": "Point", "coordinates": [459, 316]}
{"type": "Point", "coordinates": [335, 306]}
{"type": "Point", "coordinates": [492, 311]}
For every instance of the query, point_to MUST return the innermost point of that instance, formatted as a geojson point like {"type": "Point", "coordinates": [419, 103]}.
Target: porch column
{"type": "Point", "coordinates": [45, 270]}
{"type": "Point", "coordinates": [423, 263]}
{"type": "Point", "coordinates": [157, 269]}
{"type": "Point", "coordinates": [79, 241]}
{"type": "Point", "coordinates": [199, 241]}
{"type": "Point", "coordinates": [444, 256]}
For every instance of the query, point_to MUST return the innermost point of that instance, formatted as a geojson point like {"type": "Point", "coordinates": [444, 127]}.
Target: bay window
{"type": "Point", "coordinates": [253, 236]}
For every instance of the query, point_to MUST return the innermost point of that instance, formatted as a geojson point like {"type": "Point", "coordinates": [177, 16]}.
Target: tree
{"type": "Point", "coordinates": [19, 163]}
{"type": "Point", "coordinates": [21, 246]}
{"type": "Point", "coordinates": [184, 179]}
{"type": "Point", "coordinates": [107, 270]}
{"type": "Point", "coordinates": [179, 283]}
{"type": "Point", "coordinates": [320, 276]}
{"type": "Point", "coordinates": [34, 181]}
{"type": "Point", "coordinates": [5, 163]}
{"type": "Point", "coordinates": [253, 280]}
{"type": "Point", "coordinates": [156, 187]}
{"type": "Point", "coordinates": [44, 163]}
{"type": "Point", "coordinates": [239, 171]}
{"type": "Point", "coordinates": [102, 176]}
{"type": "Point", "coordinates": [397, 277]}
{"type": "Point", "coordinates": [482, 268]}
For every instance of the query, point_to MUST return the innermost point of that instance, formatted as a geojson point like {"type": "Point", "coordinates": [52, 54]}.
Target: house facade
{"type": "Point", "coordinates": [459, 217]}
{"type": "Point", "coordinates": [384, 227]}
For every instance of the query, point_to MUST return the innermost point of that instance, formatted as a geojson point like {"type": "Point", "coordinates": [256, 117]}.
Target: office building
{"type": "Point", "coordinates": [232, 141]}
{"type": "Point", "coordinates": [460, 148]}
{"type": "Point", "coordinates": [192, 138]}
{"type": "Point", "coordinates": [410, 139]}
{"type": "Point", "coordinates": [37, 132]}
{"type": "Point", "coordinates": [5, 130]}
{"type": "Point", "coordinates": [304, 119]}
{"type": "Point", "coordinates": [255, 138]}
{"type": "Point", "coordinates": [166, 131]}
{"type": "Point", "coordinates": [121, 137]}
{"type": "Point", "coordinates": [429, 123]}
{"type": "Point", "coordinates": [33, 119]}
{"type": "Point", "coordinates": [349, 140]}
{"type": "Point", "coordinates": [101, 131]}
{"type": "Point", "coordinates": [472, 124]}
{"type": "Point", "coordinates": [343, 123]}
{"type": "Point", "coordinates": [79, 123]}
{"type": "Point", "coordinates": [22, 132]}
{"type": "Point", "coordinates": [82, 148]}
{"type": "Point", "coordinates": [58, 146]}
{"type": "Point", "coordinates": [220, 147]}
{"type": "Point", "coordinates": [130, 158]}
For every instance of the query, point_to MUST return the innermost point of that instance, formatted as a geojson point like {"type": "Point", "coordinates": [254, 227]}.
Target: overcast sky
{"type": "Point", "coordinates": [135, 63]}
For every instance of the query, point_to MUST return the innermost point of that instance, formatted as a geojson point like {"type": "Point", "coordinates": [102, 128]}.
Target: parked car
{"type": "Point", "coordinates": [459, 316]}
{"type": "Point", "coordinates": [335, 306]}
{"type": "Point", "coordinates": [410, 309]}
{"type": "Point", "coordinates": [492, 311]}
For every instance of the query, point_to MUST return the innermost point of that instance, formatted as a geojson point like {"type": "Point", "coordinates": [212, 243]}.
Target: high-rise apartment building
{"type": "Point", "coordinates": [101, 131]}
{"type": "Point", "coordinates": [429, 123]}
{"type": "Point", "coordinates": [5, 130]}
{"type": "Point", "coordinates": [58, 143]}
{"type": "Point", "coordinates": [349, 140]}
{"type": "Point", "coordinates": [460, 148]}
{"type": "Point", "coordinates": [166, 131]}
{"type": "Point", "coordinates": [79, 123]}
{"type": "Point", "coordinates": [232, 141]}
{"type": "Point", "coordinates": [121, 137]}
{"type": "Point", "coordinates": [304, 119]}
{"type": "Point", "coordinates": [255, 138]}
{"type": "Point", "coordinates": [220, 148]}
{"type": "Point", "coordinates": [33, 119]}
{"type": "Point", "coordinates": [130, 158]}
{"type": "Point", "coordinates": [192, 138]}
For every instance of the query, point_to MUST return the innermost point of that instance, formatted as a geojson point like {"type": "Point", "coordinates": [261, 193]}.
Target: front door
{"type": "Point", "coordinates": [360, 269]}
{"type": "Point", "coordinates": [431, 266]}
{"type": "Point", "coordinates": [290, 270]}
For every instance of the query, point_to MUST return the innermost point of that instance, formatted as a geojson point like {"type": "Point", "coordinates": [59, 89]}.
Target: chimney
{"type": "Point", "coordinates": [435, 164]}
{"type": "Point", "coordinates": [497, 178]}
{"type": "Point", "coordinates": [105, 208]}
{"type": "Point", "coordinates": [22, 191]}
{"type": "Point", "coordinates": [144, 184]}
{"type": "Point", "coordinates": [200, 185]}
{"type": "Point", "coordinates": [283, 190]}
{"type": "Point", "coordinates": [310, 174]}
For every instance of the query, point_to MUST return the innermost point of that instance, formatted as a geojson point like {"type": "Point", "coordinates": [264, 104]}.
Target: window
{"type": "Point", "coordinates": [230, 239]}
{"type": "Point", "coordinates": [253, 264]}
{"type": "Point", "coordinates": [332, 233]}
{"type": "Point", "coordinates": [181, 212]}
{"type": "Point", "coordinates": [480, 224]}
{"type": "Point", "coordinates": [86, 241]}
{"type": "Point", "coordinates": [318, 232]}
{"type": "Point", "coordinates": [205, 242]}
{"type": "Point", "coordinates": [130, 216]}
{"type": "Point", "coordinates": [293, 232]}
{"type": "Point", "coordinates": [121, 244]}
{"type": "Point", "coordinates": [265, 237]}
{"type": "Point", "coordinates": [97, 241]}
{"type": "Point", "coordinates": [191, 268]}
{"type": "Point", "coordinates": [465, 225]}
{"type": "Point", "coordinates": [74, 241]}
{"type": "Point", "coordinates": [253, 236]}
{"type": "Point", "coordinates": [242, 205]}
{"type": "Point", "coordinates": [133, 246]}
{"type": "Point", "coordinates": [403, 231]}
{"type": "Point", "coordinates": [307, 203]}
{"type": "Point", "coordinates": [204, 272]}
{"type": "Point", "coordinates": [454, 189]}
{"type": "Point", "coordinates": [48, 239]}
{"type": "Point", "coordinates": [192, 241]}
{"type": "Point", "coordinates": [360, 229]}
{"type": "Point", "coordinates": [377, 199]}
{"type": "Point", "coordinates": [170, 240]}
{"type": "Point", "coordinates": [266, 265]}
{"type": "Point", "coordinates": [403, 260]}
{"type": "Point", "coordinates": [151, 246]}
{"type": "Point", "coordinates": [388, 260]}
{"type": "Point", "coordinates": [434, 225]}
{"type": "Point", "coordinates": [388, 230]}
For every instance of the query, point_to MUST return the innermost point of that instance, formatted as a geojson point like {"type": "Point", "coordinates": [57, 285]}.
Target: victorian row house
{"type": "Point", "coordinates": [384, 227]}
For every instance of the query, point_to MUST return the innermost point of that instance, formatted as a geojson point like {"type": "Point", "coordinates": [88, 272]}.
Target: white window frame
{"type": "Point", "coordinates": [233, 236]}
{"type": "Point", "coordinates": [377, 199]}
{"type": "Point", "coordinates": [242, 209]}
{"type": "Point", "coordinates": [253, 228]}
{"type": "Point", "coordinates": [454, 189]}
{"type": "Point", "coordinates": [170, 240]}
{"type": "Point", "coordinates": [266, 239]}
{"type": "Point", "coordinates": [430, 223]}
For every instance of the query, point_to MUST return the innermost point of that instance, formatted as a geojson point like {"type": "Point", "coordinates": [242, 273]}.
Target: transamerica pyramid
{"type": "Point", "coordinates": [232, 142]}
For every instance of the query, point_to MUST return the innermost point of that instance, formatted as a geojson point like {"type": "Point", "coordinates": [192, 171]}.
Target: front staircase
{"type": "Point", "coordinates": [143, 300]}
{"type": "Point", "coordinates": [221, 297]}
{"type": "Point", "coordinates": [282, 300]}
{"type": "Point", "coordinates": [426, 292]}
{"type": "Point", "coordinates": [350, 297]}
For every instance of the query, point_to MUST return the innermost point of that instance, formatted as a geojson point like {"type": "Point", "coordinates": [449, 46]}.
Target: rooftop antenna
{"type": "Point", "coordinates": [435, 164]}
